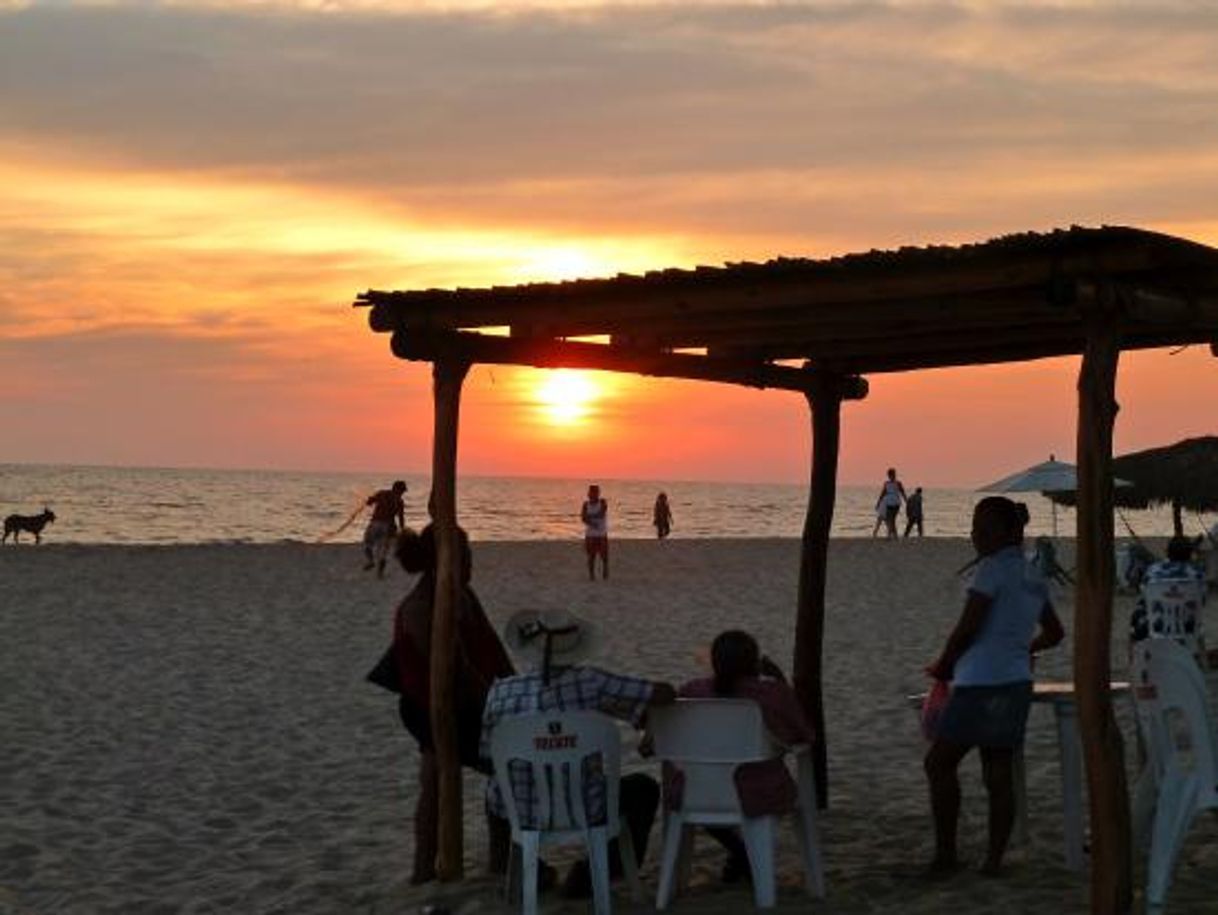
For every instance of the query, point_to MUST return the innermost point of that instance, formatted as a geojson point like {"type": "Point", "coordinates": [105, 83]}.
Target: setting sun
{"type": "Point", "coordinates": [565, 396]}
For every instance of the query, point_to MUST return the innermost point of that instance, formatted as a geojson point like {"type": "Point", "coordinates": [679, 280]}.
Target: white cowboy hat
{"type": "Point", "coordinates": [571, 639]}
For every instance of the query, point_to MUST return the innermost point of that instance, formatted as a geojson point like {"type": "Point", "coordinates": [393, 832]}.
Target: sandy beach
{"type": "Point", "coordinates": [188, 729]}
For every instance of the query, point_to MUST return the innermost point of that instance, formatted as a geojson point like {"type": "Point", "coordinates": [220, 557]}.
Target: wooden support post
{"type": "Point", "coordinates": [825, 397]}
{"type": "Point", "coordinates": [448, 373]}
{"type": "Point", "coordinates": [1103, 749]}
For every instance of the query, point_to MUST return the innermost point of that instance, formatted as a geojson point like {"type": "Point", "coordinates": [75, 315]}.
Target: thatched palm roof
{"type": "Point", "coordinates": [1020, 297]}
{"type": "Point", "coordinates": [1183, 475]}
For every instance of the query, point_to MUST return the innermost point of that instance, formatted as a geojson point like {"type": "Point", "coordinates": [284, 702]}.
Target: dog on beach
{"type": "Point", "coordinates": [31, 524]}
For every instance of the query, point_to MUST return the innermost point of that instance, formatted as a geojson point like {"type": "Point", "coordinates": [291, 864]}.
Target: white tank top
{"type": "Point", "coordinates": [597, 524]}
{"type": "Point", "coordinates": [892, 493]}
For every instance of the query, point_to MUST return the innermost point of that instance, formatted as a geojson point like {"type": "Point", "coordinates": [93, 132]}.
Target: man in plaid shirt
{"type": "Point", "coordinates": [553, 643]}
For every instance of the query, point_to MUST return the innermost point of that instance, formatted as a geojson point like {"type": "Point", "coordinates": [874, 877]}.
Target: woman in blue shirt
{"type": "Point", "coordinates": [987, 658]}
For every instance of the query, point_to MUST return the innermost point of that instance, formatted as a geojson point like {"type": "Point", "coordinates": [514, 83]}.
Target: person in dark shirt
{"type": "Point", "coordinates": [481, 659]}
{"type": "Point", "coordinates": [913, 512]}
{"type": "Point", "coordinates": [661, 516]}
{"type": "Point", "coordinates": [388, 517]}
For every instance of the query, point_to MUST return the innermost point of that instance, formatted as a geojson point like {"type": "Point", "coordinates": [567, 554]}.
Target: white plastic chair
{"type": "Point", "coordinates": [555, 746]}
{"type": "Point", "coordinates": [706, 739]}
{"type": "Point", "coordinates": [1173, 611]}
{"type": "Point", "coordinates": [1173, 711]}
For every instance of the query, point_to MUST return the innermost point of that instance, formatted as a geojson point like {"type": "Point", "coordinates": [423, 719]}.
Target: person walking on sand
{"type": "Point", "coordinates": [880, 514]}
{"type": "Point", "coordinates": [595, 515]}
{"type": "Point", "coordinates": [662, 516]}
{"type": "Point", "coordinates": [892, 494]}
{"type": "Point", "coordinates": [913, 512]}
{"type": "Point", "coordinates": [988, 661]}
{"type": "Point", "coordinates": [388, 517]}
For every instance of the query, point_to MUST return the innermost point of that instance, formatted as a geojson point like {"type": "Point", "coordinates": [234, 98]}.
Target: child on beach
{"type": "Point", "coordinates": [913, 512]}
{"type": "Point", "coordinates": [988, 658]}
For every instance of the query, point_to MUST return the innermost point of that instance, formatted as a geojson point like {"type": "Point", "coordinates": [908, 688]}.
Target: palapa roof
{"type": "Point", "coordinates": [1184, 474]}
{"type": "Point", "coordinates": [1013, 298]}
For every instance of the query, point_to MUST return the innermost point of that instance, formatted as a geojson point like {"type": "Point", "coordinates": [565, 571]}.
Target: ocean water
{"type": "Point", "coordinates": [161, 505]}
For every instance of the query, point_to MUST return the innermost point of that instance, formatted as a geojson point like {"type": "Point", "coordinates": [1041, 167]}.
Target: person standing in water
{"type": "Point", "coordinates": [662, 516]}
{"type": "Point", "coordinates": [595, 515]}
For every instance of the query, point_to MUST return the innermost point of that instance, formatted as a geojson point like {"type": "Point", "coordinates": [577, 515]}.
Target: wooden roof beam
{"type": "Point", "coordinates": [976, 315]}
{"type": "Point", "coordinates": [911, 337]}
{"type": "Point", "coordinates": [985, 354]}
{"type": "Point", "coordinates": [903, 341]}
{"type": "Point", "coordinates": [1159, 306]}
{"type": "Point", "coordinates": [788, 336]}
{"type": "Point", "coordinates": [684, 329]}
{"type": "Point", "coordinates": [440, 345]}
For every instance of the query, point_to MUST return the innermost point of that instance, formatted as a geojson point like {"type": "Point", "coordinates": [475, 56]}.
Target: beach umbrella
{"type": "Point", "coordinates": [1054, 478]}
{"type": "Point", "coordinates": [1048, 476]}
{"type": "Point", "coordinates": [1183, 475]}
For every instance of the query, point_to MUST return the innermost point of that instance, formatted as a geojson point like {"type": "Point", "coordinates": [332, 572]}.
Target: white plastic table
{"type": "Point", "coordinates": [1059, 695]}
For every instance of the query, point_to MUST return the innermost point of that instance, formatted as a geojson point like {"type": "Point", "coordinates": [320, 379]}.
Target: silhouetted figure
{"type": "Point", "coordinates": [988, 659]}
{"type": "Point", "coordinates": [913, 512]}
{"type": "Point", "coordinates": [595, 515]}
{"type": "Point", "coordinates": [764, 787]}
{"type": "Point", "coordinates": [553, 647]}
{"type": "Point", "coordinates": [31, 524]}
{"type": "Point", "coordinates": [1044, 558]}
{"type": "Point", "coordinates": [481, 660]}
{"type": "Point", "coordinates": [1148, 622]}
{"type": "Point", "coordinates": [662, 516]}
{"type": "Point", "coordinates": [892, 494]}
{"type": "Point", "coordinates": [388, 517]}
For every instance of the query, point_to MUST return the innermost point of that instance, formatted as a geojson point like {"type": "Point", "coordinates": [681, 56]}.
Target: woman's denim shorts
{"type": "Point", "coordinates": [986, 716]}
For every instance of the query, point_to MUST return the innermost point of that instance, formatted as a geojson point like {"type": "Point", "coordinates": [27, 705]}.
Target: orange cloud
{"type": "Point", "coordinates": [188, 209]}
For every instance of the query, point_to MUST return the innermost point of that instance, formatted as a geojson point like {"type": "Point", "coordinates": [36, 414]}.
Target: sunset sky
{"type": "Point", "coordinates": [192, 193]}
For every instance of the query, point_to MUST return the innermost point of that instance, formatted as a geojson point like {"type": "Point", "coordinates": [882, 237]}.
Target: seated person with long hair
{"type": "Point", "coordinates": [765, 788]}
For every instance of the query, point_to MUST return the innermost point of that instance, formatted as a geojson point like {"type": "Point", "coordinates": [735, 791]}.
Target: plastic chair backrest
{"type": "Point", "coordinates": [706, 739]}
{"type": "Point", "coordinates": [1173, 708]}
{"type": "Point", "coordinates": [554, 747]}
{"type": "Point", "coordinates": [1173, 609]}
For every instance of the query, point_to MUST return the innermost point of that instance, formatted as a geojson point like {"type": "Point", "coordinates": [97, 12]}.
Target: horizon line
{"type": "Point", "coordinates": [427, 475]}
